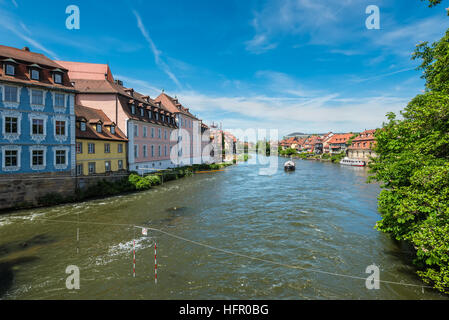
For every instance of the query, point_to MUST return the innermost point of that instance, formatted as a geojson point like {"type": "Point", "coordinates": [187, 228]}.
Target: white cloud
{"type": "Point", "coordinates": [157, 54]}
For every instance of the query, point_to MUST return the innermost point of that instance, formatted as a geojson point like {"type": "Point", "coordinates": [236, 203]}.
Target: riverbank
{"type": "Point", "coordinates": [128, 184]}
{"type": "Point", "coordinates": [317, 157]}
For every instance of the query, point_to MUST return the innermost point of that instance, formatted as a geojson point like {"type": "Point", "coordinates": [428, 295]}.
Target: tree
{"type": "Point", "coordinates": [413, 167]}
{"type": "Point", "coordinates": [433, 2]}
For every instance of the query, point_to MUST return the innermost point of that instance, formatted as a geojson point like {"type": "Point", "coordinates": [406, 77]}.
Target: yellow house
{"type": "Point", "coordinates": [100, 145]}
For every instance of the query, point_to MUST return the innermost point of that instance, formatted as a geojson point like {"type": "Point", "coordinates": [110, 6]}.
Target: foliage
{"type": "Point", "coordinates": [337, 157]}
{"type": "Point", "coordinates": [288, 152]}
{"type": "Point", "coordinates": [413, 167]}
{"type": "Point", "coordinates": [433, 2]}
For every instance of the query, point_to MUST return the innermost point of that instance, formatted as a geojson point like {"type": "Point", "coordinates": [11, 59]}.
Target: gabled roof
{"type": "Point", "coordinates": [173, 105]}
{"type": "Point", "coordinates": [25, 55]}
{"type": "Point", "coordinates": [96, 116]}
{"type": "Point", "coordinates": [340, 138]}
{"type": "Point", "coordinates": [88, 71]}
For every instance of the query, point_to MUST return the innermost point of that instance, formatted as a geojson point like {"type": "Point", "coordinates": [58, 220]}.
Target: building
{"type": "Point", "coordinates": [189, 133]}
{"type": "Point", "coordinates": [101, 147]}
{"type": "Point", "coordinates": [37, 116]}
{"type": "Point", "coordinates": [338, 142]}
{"type": "Point", "coordinates": [325, 140]}
{"type": "Point", "coordinates": [313, 144]}
{"type": "Point", "coordinates": [362, 146]}
{"type": "Point", "coordinates": [145, 122]}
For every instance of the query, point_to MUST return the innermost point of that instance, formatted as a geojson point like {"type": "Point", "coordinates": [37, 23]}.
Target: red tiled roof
{"type": "Point", "coordinates": [25, 59]}
{"type": "Point", "coordinates": [88, 71]}
{"type": "Point", "coordinates": [94, 116]}
{"type": "Point", "coordinates": [340, 138]}
{"type": "Point", "coordinates": [173, 105]}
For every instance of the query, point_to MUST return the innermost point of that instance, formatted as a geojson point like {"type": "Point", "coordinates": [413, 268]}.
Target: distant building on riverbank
{"type": "Point", "coordinates": [362, 146]}
{"type": "Point", "coordinates": [338, 142]}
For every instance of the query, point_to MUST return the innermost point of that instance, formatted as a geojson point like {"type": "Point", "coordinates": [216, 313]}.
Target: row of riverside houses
{"type": "Point", "coordinates": [72, 119]}
{"type": "Point", "coordinates": [354, 146]}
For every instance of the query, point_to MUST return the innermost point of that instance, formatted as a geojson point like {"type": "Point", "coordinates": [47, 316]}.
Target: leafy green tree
{"type": "Point", "coordinates": [413, 167]}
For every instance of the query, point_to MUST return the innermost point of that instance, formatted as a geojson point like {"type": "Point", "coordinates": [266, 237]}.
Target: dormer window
{"type": "Point", "coordinates": [113, 129]}
{"type": "Point", "coordinates": [141, 112]}
{"type": "Point", "coordinates": [157, 116]}
{"type": "Point", "coordinates": [133, 109]}
{"type": "Point", "coordinates": [83, 126]}
{"type": "Point", "coordinates": [57, 77]}
{"type": "Point", "coordinates": [35, 74]}
{"type": "Point", "coordinates": [10, 69]}
{"type": "Point", "coordinates": [99, 127]}
{"type": "Point", "coordinates": [149, 114]}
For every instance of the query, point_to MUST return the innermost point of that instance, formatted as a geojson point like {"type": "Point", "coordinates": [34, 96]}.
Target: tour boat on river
{"type": "Point", "coordinates": [353, 162]}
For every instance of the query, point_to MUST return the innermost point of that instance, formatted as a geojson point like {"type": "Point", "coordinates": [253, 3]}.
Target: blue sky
{"type": "Point", "coordinates": [293, 65]}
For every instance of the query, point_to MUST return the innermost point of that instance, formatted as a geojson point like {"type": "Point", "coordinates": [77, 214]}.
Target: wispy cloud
{"type": "Point", "coordinates": [9, 22]}
{"type": "Point", "coordinates": [157, 54]}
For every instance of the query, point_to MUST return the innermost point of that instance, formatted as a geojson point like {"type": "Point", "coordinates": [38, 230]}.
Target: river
{"type": "Point", "coordinates": [315, 224]}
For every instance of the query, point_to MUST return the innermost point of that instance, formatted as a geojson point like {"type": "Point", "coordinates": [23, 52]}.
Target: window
{"type": "Point", "coordinates": [91, 167]}
{"type": "Point", "coordinates": [113, 129]}
{"type": "Point", "coordinates": [11, 125]}
{"type": "Point", "coordinates": [152, 132]}
{"type": "Point", "coordinates": [35, 74]}
{"type": "Point", "coordinates": [152, 151]}
{"type": "Point", "coordinates": [120, 164]}
{"type": "Point", "coordinates": [149, 115]}
{"type": "Point", "coordinates": [99, 127]}
{"type": "Point", "coordinates": [163, 118]}
{"type": "Point", "coordinates": [133, 109]}
{"type": "Point", "coordinates": [120, 148]}
{"type": "Point", "coordinates": [10, 69]}
{"type": "Point", "coordinates": [159, 150]}
{"type": "Point", "coordinates": [11, 158]}
{"type": "Point", "coordinates": [136, 130]}
{"type": "Point", "coordinates": [159, 133]}
{"type": "Point", "coordinates": [57, 78]}
{"type": "Point", "coordinates": [107, 166]}
{"type": "Point", "coordinates": [145, 129]}
{"type": "Point", "coordinates": [165, 150]}
{"type": "Point", "coordinates": [38, 158]}
{"type": "Point", "coordinates": [136, 151]}
{"type": "Point", "coordinates": [60, 128]}
{"type": "Point", "coordinates": [91, 148]}
{"type": "Point", "coordinates": [165, 134]}
{"type": "Point", "coordinates": [37, 97]}
{"type": "Point", "coordinates": [145, 152]}
{"type": "Point", "coordinates": [59, 100]}
{"type": "Point", "coordinates": [79, 147]}
{"type": "Point", "coordinates": [142, 112]}
{"type": "Point", "coordinates": [107, 148]}
{"type": "Point", "coordinates": [60, 157]}
{"type": "Point", "coordinates": [11, 94]}
{"type": "Point", "coordinates": [79, 169]}
{"type": "Point", "coordinates": [38, 126]}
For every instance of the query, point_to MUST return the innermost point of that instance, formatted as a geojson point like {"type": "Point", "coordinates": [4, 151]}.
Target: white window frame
{"type": "Point", "coordinates": [38, 148]}
{"type": "Point", "coordinates": [66, 164]}
{"type": "Point", "coordinates": [89, 144]}
{"type": "Point", "coordinates": [11, 136]}
{"type": "Point", "coordinates": [36, 106]}
{"type": "Point", "coordinates": [38, 138]}
{"type": "Point", "coordinates": [60, 137]}
{"type": "Point", "coordinates": [11, 104]}
{"type": "Point", "coordinates": [59, 108]}
{"type": "Point", "coordinates": [54, 77]}
{"type": "Point", "coordinates": [11, 148]}
{"type": "Point", "coordinates": [10, 65]}
{"type": "Point", "coordinates": [38, 74]}
{"type": "Point", "coordinates": [112, 129]}
{"type": "Point", "coordinates": [82, 125]}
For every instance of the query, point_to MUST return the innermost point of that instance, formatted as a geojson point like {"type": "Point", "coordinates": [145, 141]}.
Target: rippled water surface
{"type": "Point", "coordinates": [320, 217]}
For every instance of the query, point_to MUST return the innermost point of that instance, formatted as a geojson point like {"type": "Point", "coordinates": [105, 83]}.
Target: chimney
{"type": "Point", "coordinates": [26, 49]}
{"type": "Point", "coordinates": [119, 82]}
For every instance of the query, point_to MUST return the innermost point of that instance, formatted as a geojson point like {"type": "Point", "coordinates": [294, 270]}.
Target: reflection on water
{"type": "Point", "coordinates": [320, 217]}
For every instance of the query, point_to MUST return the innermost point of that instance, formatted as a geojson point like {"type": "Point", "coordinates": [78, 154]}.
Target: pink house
{"type": "Point", "coordinates": [145, 122]}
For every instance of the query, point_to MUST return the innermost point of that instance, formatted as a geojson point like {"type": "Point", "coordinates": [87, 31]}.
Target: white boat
{"type": "Point", "coordinates": [353, 162]}
{"type": "Point", "coordinates": [289, 166]}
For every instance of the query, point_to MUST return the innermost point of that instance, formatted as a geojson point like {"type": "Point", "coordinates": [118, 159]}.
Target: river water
{"type": "Point", "coordinates": [319, 218]}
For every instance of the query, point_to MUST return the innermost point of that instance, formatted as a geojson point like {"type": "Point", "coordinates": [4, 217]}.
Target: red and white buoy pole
{"type": "Point", "coordinates": [155, 263]}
